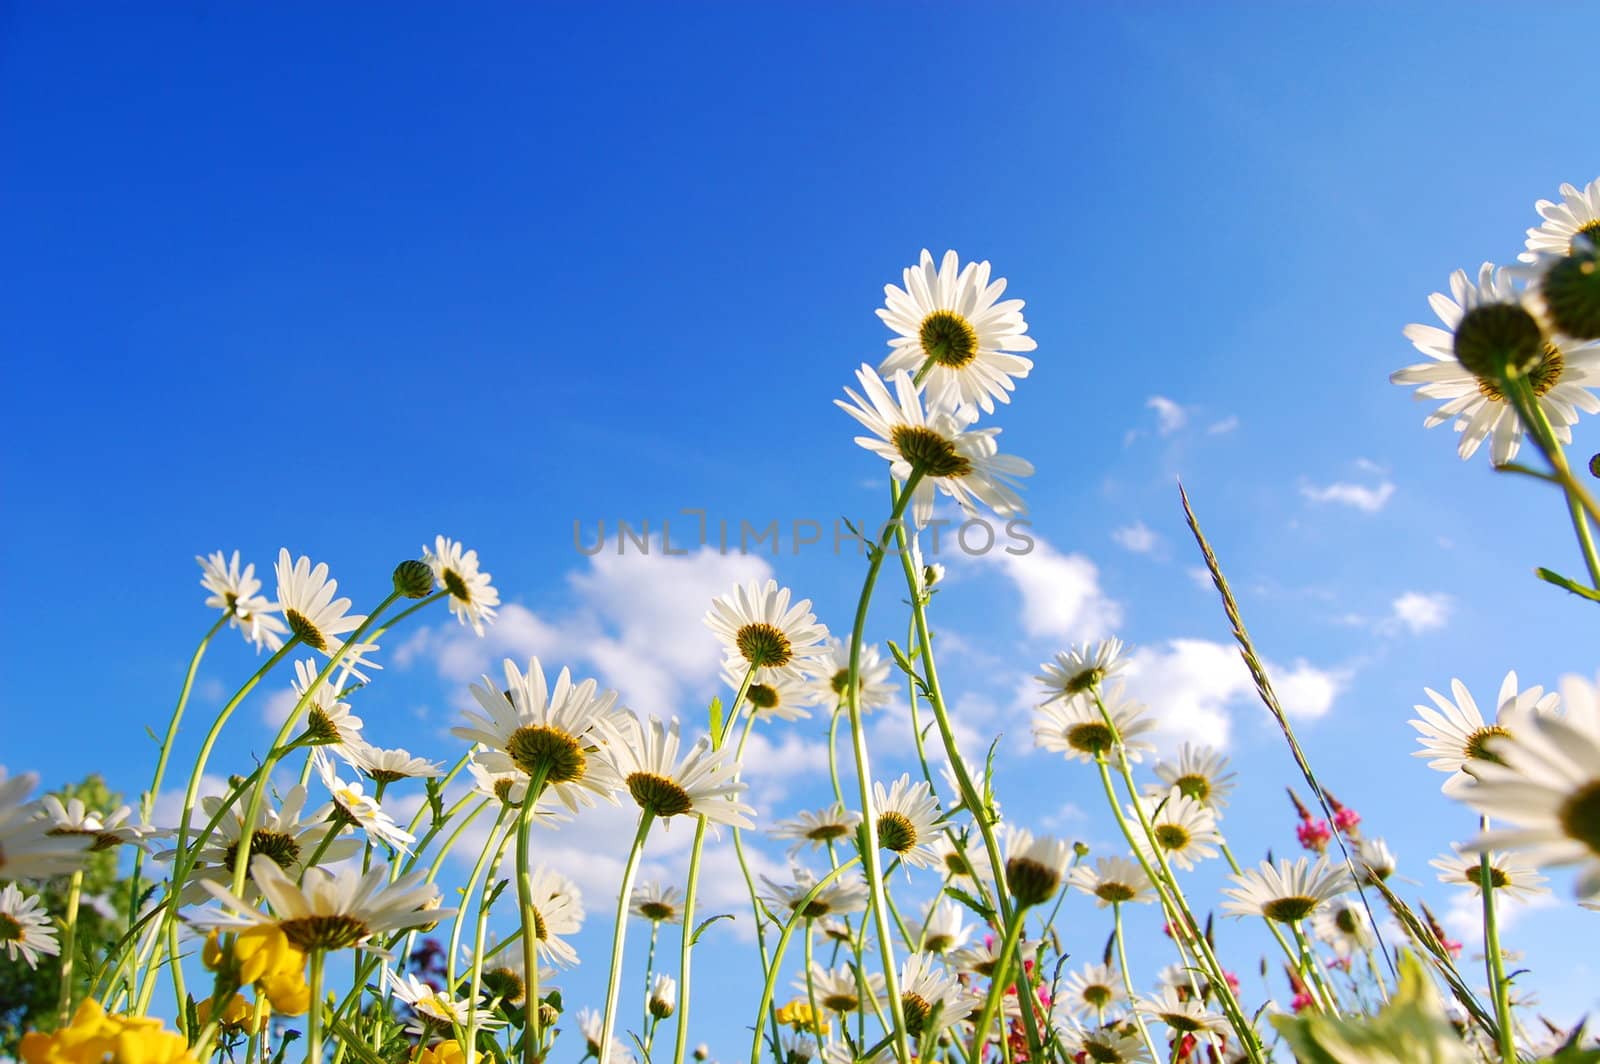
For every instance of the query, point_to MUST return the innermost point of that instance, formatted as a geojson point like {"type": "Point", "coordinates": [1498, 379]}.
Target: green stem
{"type": "Point", "coordinates": [649, 970]}
{"type": "Point", "coordinates": [531, 1034]}
{"type": "Point", "coordinates": [782, 946]}
{"type": "Point", "coordinates": [314, 1013]}
{"type": "Point", "coordinates": [999, 983]}
{"type": "Point", "coordinates": [1127, 980]}
{"type": "Point", "coordinates": [1580, 504]}
{"type": "Point", "coordinates": [69, 944]}
{"type": "Point", "coordinates": [619, 934]}
{"type": "Point", "coordinates": [479, 872]}
{"type": "Point", "coordinates": [1493, 960]}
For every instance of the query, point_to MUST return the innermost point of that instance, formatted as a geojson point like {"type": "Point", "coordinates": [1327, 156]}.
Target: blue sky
{"type": "Point", "coordinates": [342, 279]}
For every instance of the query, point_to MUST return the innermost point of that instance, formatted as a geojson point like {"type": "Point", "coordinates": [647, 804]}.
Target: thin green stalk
{"type": "Point", "coordinates": [999, 982]}
{"type": "Point", "coordinates": [1578, 500]}
{"type": "Point", "coordinates": [811, 990]}
{"type": "Point", "coordinates": [480, 870]}
{"type": "Point", "coordinates": [1494, 960]}
{"type": "Point", "coordinates": [619, 934]}
{"type": "Point", "coordinates": [314, 1013]}
{"type": "Point", "coordinates": [1311, 970]}
{"type": "Point", "coordinates": [1283, 943]}
{"type": "Point", "coordinates": [649, 970]}
{"type": "Point", "coordinates": [1127, 979]}
{"type": "Point", "coordinates": [782, 946]}
{"type": "Point", "coordinates": [529, 915]}
{"type": "Point", "coordinates": [69, 948]}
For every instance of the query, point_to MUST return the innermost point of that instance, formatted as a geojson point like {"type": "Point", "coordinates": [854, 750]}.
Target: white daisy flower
{"type": "Point", "coordinates": [104, 831]}
{"type": "Point", "coordinates": [1036, 867]}
{"type": "Point", "coordinates": [352, 805]}
{"type": "Point", "coordinates": [502, 974]}
{"type": "Point", "coordinates": [472, 598]}
{"type": "Point", "coordinates": [1185, 830]}
{"type": "Point", "coordinates": [235, 593]}
{"type": "Point", "coordinates": [1288, 891]}
{"type": "Point", "coordinates": [1113, 881]}
{"type": "Point", "coordinates": [287, 835]}
{"type": "Point", "coordinates": [328, 720]}
{"type": "Point", "coordinates": [663, 1000]}
{"type": "Point", "coordinates": [797, 1048]}
{"type": "Point", "coordinates": [305, 595]}
{"type": "Point", "coordinates": [949, 318]}
{"type": "Point", "coordinates": [389, 766]}
{"type": "Point", "coordinates": [1089, 991]}
{"type": "Point", "coordinates": [1182, 1016]}
{"type": "Point", "coordinates": [1577, 213]}
{"type": "Point", "coordinates": [1080, 668]}
{"type": "Point", "coordinates": [511, 786]}
{"type": "Point", "coordinates": [1563, 369]}
{"type": "Point", "coordinates": [704, 782]}
{"type": "Point", "coordinates": [432, 1008]}
{"type": "Point", "coordinates": [329, 909]}
{"type": "Point", "coordinates": [558, 910]}
{"type": "Point", "coordinates": [1076, 728]}
{"type": "Point", "coordinates": [1344, 925]}
{"type": "Point", "coordinates": [591, 1024]}
{"type": "Point", "coordinates": [945, 928]}
{"type": "Point", "coordinates": [534, 728]}
{"type": "Point", "coordinates": [930, 996]}
{"type": "Point", "coordinates": [777, 697]}
{"type": "Point", "coordinates": [833, 676]}
{"type": "Point", "coordinates": [1110, 1045]}
{"type": "Point", "coordinates": [1512, 876]}
{"type": "Point", "coordinates": [1455, 735]}
{"type": "Point", "coordinates": [964, 861]}
{"type": "Point", "coordinates": [25, 926]}
{"type": "Point", "coordinates": [1375, 858]}
{"type": "Point", "coordinates": [1201, 773]}
{"type": "Point", "coordinates": [961, 462]}
{"type": "Point", "coordinates": [845, 895]}
{"type": "Point", "coordinates": [817, 828]}
{"type": "Point", "coordinates": [27, 848]}
{"type": "Point", "coordinates": [907, 818]}
{"type": "Point", "coordinates": [657, 902]}
{"type": "Point", "coordinates": [981, 958]}
{"type": "Point", "coordinates": [838, 990]}
{"type": "Point", "coordinates": [759, 628]}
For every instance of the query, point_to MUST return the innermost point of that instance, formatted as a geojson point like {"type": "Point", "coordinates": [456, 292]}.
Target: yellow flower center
{"type": "Point", "coordinates": [948, 339]}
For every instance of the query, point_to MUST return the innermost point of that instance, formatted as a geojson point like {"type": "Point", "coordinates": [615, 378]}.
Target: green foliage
{"type": "Point", "coordinates": [28, 996]}
{"type": "Point", "coordinates": [1411, 1029]}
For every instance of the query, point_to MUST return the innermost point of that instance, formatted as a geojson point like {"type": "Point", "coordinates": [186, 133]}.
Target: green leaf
{"type": "Point", "coordinates": [1566, 584]}
{"type": "Point", "coordinates": [715, 710]}
{"type": "Point", "coordinates": [707, 922]}
{"type": "Point", "coordinates": [972, 903]}
{"type": "Point", "coordinates": [1412, 1029]}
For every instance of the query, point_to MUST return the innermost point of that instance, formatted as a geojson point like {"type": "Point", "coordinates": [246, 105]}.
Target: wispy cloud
{"type": "Point", "coordinates": [1225, 425]}
{"type": "Point", "coordinates": [1061, 595]}
{"type": "Point", "coordinates": [1419, 611]}
{"type": "Point", "coordinates": [1137, 538]}
{"type": "Point", "coordinates": [1170, 416]}
{"type": "Point", "coordinates": [1343, 493]}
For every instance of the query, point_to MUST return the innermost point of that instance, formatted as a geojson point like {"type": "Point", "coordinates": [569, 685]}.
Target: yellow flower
{"type": "Point", "coordinates": [262, 956]}
{"type": "Point", "coordinates": [93, 1036]}
{"type": "Point", "coordinates": [447, 1052]}
{"type": "Point", "coordinates": [236, 1015]}
{"type": "Point", "coordinates": [797, 1014]}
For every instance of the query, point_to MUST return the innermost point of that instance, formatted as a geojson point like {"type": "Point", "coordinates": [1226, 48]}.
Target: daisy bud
{"type": "Point", "coordinates": [702, 1052]}
{"type": "Point", "coordinates": [413, 578]}
{"type": "Point", "coordinates": [663, 997]}
{"type": "Point", "coordinates": [548, 1014]}
{"type": "Point", "coordinates": [1594, 465]}
{"type": "Point", "coordinates": [1496, 340]}
{"type": "Point", "coordinates": [1036, 870]}
{"type": "Point", "coordinates": [1571, 291]}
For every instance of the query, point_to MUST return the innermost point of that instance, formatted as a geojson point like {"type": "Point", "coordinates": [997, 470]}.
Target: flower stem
{"type": "Point", "coordinates": [999, 983]}
{"type": "Point", "coordinates": [314, 1013]}
{"type": "Point", "coordinates": [69, 943]}
{"type": "Point", "coordinates": [1494, 960]}
{"type": "Point", "coordinates": [529, 915]}
{"type": "Point", "coordinates": [1127, 979]}
{"type": "Point", "coordinates": [619, 933]}
{"type": "Point", "coordinates": [782, 946]}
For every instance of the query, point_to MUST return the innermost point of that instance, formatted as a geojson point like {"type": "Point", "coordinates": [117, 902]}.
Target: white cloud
{"type": "Point", "coordinates": [1136, 537]}
{"type": "Point", "coordinates": [1421, 611]}
{"type": "Point", "coordinates": [1061, 595]}
{"type": "Point", "coordinates": [1367, 499]}
{"type": "Point", "coordinates": [1191, 687]}
{"type": "Point", "coordinates": [1226, 425]}
{"type": "Point", "coordinates": [1464, 918]}
{"type": "Point", "coordinates": [1170, 416]}
{"type": "Point", "coordinates": [637, 625]}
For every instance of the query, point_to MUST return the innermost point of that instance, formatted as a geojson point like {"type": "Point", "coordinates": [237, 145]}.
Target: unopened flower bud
{"type": "Point", "coordinates": [702, 1052]}
{"type": "Point", "coordinates": [413, 578]}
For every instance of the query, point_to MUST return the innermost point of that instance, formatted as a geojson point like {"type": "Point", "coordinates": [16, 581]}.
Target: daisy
{"type": "Point", "coordinates": [1113, 881]}
{"type": "Point", "coordinates": [25, 927]}
{"type": "Point", "coordinates": [847, 894]}
{"type": "Point", "coordinates": [1578, 212]}
{"type": "Point", "coordinates": [1181, 1016]}
{"type": "Point", "coordinates": [352, 805]}
{"type": "Point", "coordinates": [329, 909]}
{"type": "Point", "coordinates": [778, 697]}
{"type": "Point", "coordinates": [961, 861]}
{"type": "Point", "coordinates": [961, 462]}
{"type": "Point", "coordinates": [944, 930]}
{"type": "Point", "coordinates": [1558, 369]}
{"type": "Point", "coordinates": [1200, 773]}
{"type": "Point", "coordinates": [1344, 925]}
{"type": "Point", "coordinates": [434, 1008]}
{"type": "Point", "coordinates": [389, 766]}
{"type": "Point", "coordinates": [1035, 867]}
{"type": "Point", "coordinates": [663, 999]}
{"type": "Point", "coordinates": [1089, 991]}
{"type": "Point", "coordinates": [472, 599]}
{"type": "Point", "coordinates": [930, 996]}
{"type": "Point", "coordinates": [704, 782]}
{"type": "Point", "coordinates": [557, 910]}
{"type": "Point", "coordinates": [817, 829]}
{"type": "Point", "coordinates": [1082, 668]}
{"type": "Point", "coordinates": [1105, 1045]}
{"type": "Point", "coordinates": [328, 720]}
{"type": "Point", "coordinates": [502, 975]}
{"type": "Point", "coordinates": [1075, 727]}
{"type": "Point", "coordinates": [28, 850]}
{"type": "Point", "coordinates": [948, 319]}
{"type": "Point", "coordinates": [591, 1024]}
{"type": "Point", "coordinates": [1375, 858]}
{"type": "Point", "coordinates": [72, 817]}
{"type": "Point", "coordinates": [1185, 830]}
{"type": "Point", "coordinates": [287, 836]}
{"type": "Point", "coordinates": [982, 784]}
{"type": "Point", "coordinates": [907, 815]}
{"type": "Point", "coordinates": [839, 990]}
{"type": "Point", "coordinates": [657, 903]}
{"type": "Point", "coordinates": [234, 592]}
{"type": "Point", "coordinates": [1514, 877]}
{"type": "Point", "coordinates": [1288, 891]}
{"type": "Point", "coordinates": [552, 732]}
{"type": "Point", "coordinates": [981, 958]}
{"type": "Point", "coordinates": [833, 676]}
{"type": "Point", "coordinates": [1455, 735]}
{"type": "Point", "coordinates": [306, 597]}
{"type": "Point", "coordinates": [760, 630]}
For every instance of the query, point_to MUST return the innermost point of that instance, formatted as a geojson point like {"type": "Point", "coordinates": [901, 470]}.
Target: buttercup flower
{"type": "Point", "coordinates": [950, 317]}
